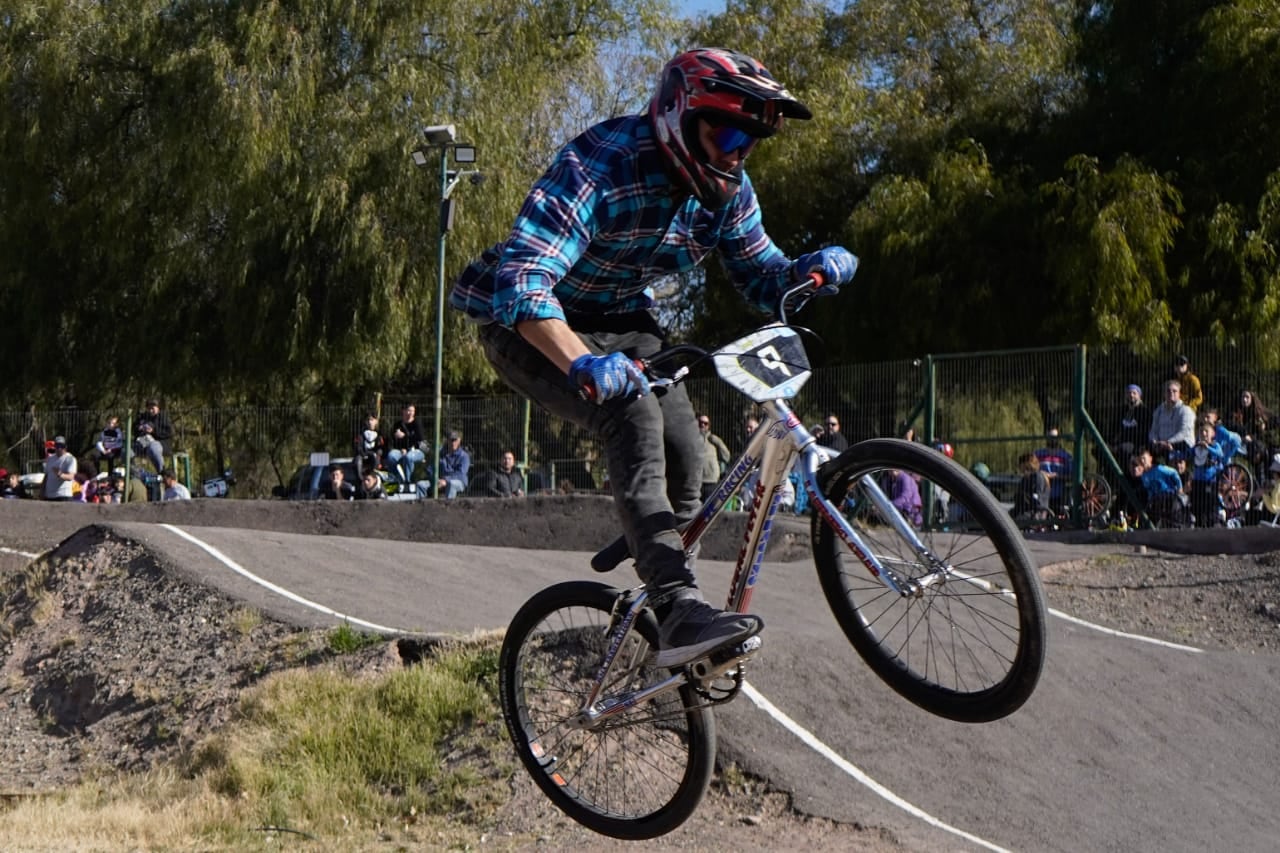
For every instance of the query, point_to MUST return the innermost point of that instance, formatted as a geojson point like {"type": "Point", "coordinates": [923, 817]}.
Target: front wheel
{"type": "Point", "coordinates": [636, 775]}
{"type": "Point", "coordinates": [967, 640]}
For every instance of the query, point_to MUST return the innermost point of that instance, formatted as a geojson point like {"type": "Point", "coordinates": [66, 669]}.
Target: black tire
{"type": "Point", "coordinates": [970, 646]}
{"type": "Point", "coordinates": [641, 774]}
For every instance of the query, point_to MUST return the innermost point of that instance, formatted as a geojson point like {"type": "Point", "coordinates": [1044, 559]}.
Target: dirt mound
{"type": "Point", "coordinates": [112, 663]}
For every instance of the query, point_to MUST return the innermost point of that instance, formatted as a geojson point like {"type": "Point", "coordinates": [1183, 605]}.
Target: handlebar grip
{"type": "Point", "coordinates": [817, 278]}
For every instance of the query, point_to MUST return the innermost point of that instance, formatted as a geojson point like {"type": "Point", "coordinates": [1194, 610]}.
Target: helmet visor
{"type": "Point", "coordinates": [732, 140]}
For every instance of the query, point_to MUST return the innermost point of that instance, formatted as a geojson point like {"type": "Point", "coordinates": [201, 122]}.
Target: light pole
{"type": "Point", "coordinates": [443, 137]}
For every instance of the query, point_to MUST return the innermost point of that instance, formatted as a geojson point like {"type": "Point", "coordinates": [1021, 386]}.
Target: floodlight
{"type": "Point", "coordinates": [419, 158]}
{"type": "Point", "coordinates": [464, 153]}
{"type": "Point", "coordinates": [440, 134]}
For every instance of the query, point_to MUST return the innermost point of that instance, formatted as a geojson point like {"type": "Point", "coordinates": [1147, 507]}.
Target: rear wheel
{"type": "Point", "coordinates": [636, 775]}
{"type": "Point", "coordinates": [968, 642]}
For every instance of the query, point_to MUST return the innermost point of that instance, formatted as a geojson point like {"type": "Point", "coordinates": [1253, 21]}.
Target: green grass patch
{"type": "Point", "coordinates": [326, 753]}
{"type": "Point", "coordinates": [344, 639]}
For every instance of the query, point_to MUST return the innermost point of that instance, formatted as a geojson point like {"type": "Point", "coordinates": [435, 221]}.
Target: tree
{"type": "Point", "coordinates": [220, 197]}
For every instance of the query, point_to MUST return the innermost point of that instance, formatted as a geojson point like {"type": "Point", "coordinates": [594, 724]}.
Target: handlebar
{"type": "Point", "coordinates": [797, 296]}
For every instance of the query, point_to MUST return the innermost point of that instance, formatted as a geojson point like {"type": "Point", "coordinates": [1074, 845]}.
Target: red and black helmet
{"type": "Point", "coordinates": [726, 88]}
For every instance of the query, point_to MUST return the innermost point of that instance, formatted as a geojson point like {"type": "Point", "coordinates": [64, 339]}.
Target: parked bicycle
{"type": "Point", "coordinates": [952, 619]}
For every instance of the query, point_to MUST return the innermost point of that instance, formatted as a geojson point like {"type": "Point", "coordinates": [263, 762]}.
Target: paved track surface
{"type": "Point", "coordinates": [1126, 745]}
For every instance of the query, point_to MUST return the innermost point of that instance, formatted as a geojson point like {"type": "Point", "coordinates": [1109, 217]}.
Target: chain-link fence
{"type": "Point", "coordinates": [991, 407]}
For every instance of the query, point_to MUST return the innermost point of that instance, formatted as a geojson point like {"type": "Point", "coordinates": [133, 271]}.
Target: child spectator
{"type": "Point", "coordinates": [110, 444]}
{"type": "Point", "coordinates": [1057, 464]}
{"type": "Point", "coordinates": [1205, 459]}
{"type": "Point", "coordinates": [1162, 485]}
{"type": "Point", "coordinates": [11, 485]}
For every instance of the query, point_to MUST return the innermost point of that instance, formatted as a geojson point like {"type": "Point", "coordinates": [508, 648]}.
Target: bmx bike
{"type": "Point", "coordinates": [951, 618]}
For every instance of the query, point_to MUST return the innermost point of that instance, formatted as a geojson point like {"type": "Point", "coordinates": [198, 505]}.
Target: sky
{"type": "Point", "coordinates": [692, 8]}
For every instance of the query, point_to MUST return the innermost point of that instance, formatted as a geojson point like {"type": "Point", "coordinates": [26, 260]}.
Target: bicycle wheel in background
{"type": "Point", "coordinates": [1235, 487]}
{"type": "Point", "coordinates": [634, 776]}
{"type": "Point", "coordinates": [1095, 499]}
{"type": "Point", "coordinates": [969, 642]}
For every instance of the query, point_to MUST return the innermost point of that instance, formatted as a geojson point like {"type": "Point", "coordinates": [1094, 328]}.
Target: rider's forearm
{"type": "Point", "coordinates": [554, 339]}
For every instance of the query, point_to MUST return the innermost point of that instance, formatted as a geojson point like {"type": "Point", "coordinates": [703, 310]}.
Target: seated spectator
{"type": "Point", "coordinates": [110, 444]}
{"type": "Point", "coordinates": [1231, 443]}
{"type": "Point", "coordinates": [369, 445]}
{"type": "Point", "coordinates": [508, 481]}
{"type": "Point", "coordinates": [336, 487]}
{"type": "Point", "coordinates": [131, 491]}
{"type": "Point", "coordinates": [1252, 422]}
{"type": "Point", "coordinates": [1056, 462]}
{"type": "Point", "coordinates": [1161, 484]}
{"type": "Point", "coordinates": [154, 433]}
{"type": "Point", "coordinates": [1192, 393]}
{"type": "Point", "coordinates": [173, 490]}
{"type": "Point", "coordinates": [370, 488]}
{"type": "Point", "coordinates": [11, 487]}
{"type": "Point", "coordinates": [453, 472]}
{"type": "Point", "coordinates": [1031, 498]}
{"type": "Point", "coordinates": [1173, 423]}
{"type": "Point", "coordinates": [98, 490]}
{"type": "Point", "coordinates": [405, 447]}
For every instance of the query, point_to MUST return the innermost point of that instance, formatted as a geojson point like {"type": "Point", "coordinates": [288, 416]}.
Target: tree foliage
{"type": "Point", "coordinates": [216, 200]}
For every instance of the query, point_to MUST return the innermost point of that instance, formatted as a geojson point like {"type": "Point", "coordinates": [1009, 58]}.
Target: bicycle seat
{"type": "Point", "coordinates": [611, 555]}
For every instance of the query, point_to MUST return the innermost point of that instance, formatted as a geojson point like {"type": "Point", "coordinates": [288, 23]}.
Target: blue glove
{"type": "Point", "coordinates": [837, 266]}
{"type": "Point", "coordinates": [609, 376]}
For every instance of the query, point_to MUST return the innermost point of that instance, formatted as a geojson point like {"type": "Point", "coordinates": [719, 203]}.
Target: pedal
{"type": "Point", "coordinates": [719, 662]}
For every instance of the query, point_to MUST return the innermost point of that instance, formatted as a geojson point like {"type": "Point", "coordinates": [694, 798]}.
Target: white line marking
{"type": "Point", "coordinates": [835, 758]}
{"type": "Point", "coordinates": [29, 556]}
{"type": "Point", "coordinates": [1115, 633]}
{"type": "Point", "coordinates": [279, 590]}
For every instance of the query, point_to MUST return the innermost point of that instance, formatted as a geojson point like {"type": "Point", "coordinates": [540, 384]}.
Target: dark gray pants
{"type": "Point", "coordinates": [652, 444]}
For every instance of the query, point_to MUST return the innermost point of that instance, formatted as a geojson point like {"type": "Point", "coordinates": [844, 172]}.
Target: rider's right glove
{"type": "Point", "coordinates": [837, 266]}
{"type": "Point", "coordinates": [612, 375]}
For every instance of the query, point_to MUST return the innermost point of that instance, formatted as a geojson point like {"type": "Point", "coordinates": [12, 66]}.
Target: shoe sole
{"type": "Point", "coordinates": [682, 655]}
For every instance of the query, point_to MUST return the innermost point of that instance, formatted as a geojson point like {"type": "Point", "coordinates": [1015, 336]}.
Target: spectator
{"type": "Point", "coordinates": [110, 444]}
{"type": "Point", "coordinates": [173, 490]}
{"type": "Point", "coordinates": [97, 490]}
{"type": "Point", "coordinates": [1173, 424]}
{"type": "Point", "coordinates": [11, 485]}
{"type": "Point", "coordinates": [1031, 498]}
{"type": "Point", "coordinates": [1230, 442]}
{"type": "Point", "coordinates": [508, 481]}
{"type": "Point", "coordinates": [1134, 427]}
{"type": "Point", "coordinates": [831, 435]}
{"type": "Point", "coordinates": [1161, 484]}
{"type": "Point", "coordinates": [131, 491]}
{"type": "Point", "coordinates": [749, 426]}
{"type": "Point", "coordinates": [904, 493]}
{"type": "Point", "coordinates": [454, 471]}
{"type": "Point", "coordinates": [1252, 422]}
{"type": "Point", "coordinates": [86, 481]}
{"type": "Point", "coordinates": [1205, 460]}
{"type": "Point", "coordinates": [715, 456]}
{"type": "Point", "coordinates": [154, 433]}
{"type": "Point", "coordinates": [370, 487]}
{"type": "Point", "coordinates": [59, 473]}
{"type": "Point", "coordinates": [1057, 464]}
{"type": "Point", "coordinates": [404, 449]}
{"type": "Point", "coordinates": [1192, 394]}
{"type": "Point", "coordinates": [336, 487]}
{"type": "Point", "coordinates": [369, 445]}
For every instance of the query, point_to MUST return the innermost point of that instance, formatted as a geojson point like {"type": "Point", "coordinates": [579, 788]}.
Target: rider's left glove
{"type": "Point", "coordinates": [609, 376]}
{"type": "Point", "coordinates": [837, 266]}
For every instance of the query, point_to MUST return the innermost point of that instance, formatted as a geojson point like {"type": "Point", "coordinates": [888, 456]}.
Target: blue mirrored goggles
{"type": "Point", "coordinates": [731, 140]}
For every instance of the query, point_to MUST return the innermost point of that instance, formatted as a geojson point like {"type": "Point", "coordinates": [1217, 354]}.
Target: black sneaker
{"type": "Point", "coordinates": [693, 629]}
